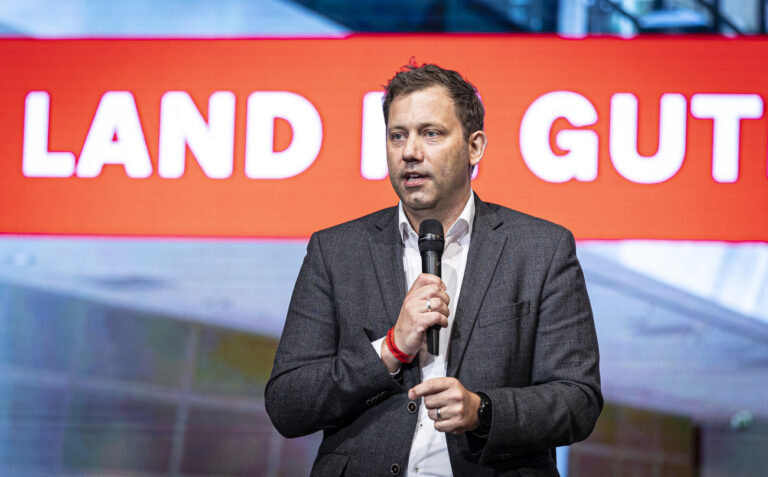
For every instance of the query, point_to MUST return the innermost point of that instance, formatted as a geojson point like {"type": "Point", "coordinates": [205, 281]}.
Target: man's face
{"type": "Point", "coordinates": [427, 155]}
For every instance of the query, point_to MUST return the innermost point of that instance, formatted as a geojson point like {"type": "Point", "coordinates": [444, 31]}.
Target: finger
{"type": "Point", "coordinates": [425, 318]}
{"type": "Point", "coordinates": [426, 306]}
{"type": "Point", "coordinates": [445, 425]}
{"type": "Point", "coordinates": [448, 392]}
{"type": "Point", "coordinates": [428, 387]}
{"type": "Point", "coordinates": [431, 291]}
{"type": "Point", "coordinates": [428, 303]}
{"type": "Point", "coordinates": [447, 397]}
{"type": "Point", "coordinates": [440, 320]}
{"type": "Point", "coordinates": [428, 279]}
{"type": "Point", "coordinates": [433, 318]}
{"type": "Point", "coordinates": [437, 306]}
{"type": "Point", "coordinates": [425, 279]}
{"type": "Point", "coordinates": [434, 401]}
{"type": "Point", "coordinates": [442, 426]}
{"type": "Point", "coordinates": [451, 420]}
{"type": "Point", "coordinates": [435, 293]}
{"type": "Point", "coordinates": [446, 413]}
{"type": "Point", "coordinates": [417, 298]}
{"type": "Point", "coordinates": [453, 425]}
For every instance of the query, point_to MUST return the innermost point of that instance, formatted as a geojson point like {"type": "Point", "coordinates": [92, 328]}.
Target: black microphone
{"type": "Point", "coordinates": [431, 244]}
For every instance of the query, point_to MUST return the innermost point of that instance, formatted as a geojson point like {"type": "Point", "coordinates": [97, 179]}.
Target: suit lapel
{"type": "Point", "coordinates": [484, 252]}
{"type": "Point", "coordinates": [387, 254]}
{"type": "Point", "coordinates": [386, 249]}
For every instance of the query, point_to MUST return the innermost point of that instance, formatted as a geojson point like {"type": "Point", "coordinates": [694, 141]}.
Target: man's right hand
{"type": "Point", "coordinates": [416, 317]}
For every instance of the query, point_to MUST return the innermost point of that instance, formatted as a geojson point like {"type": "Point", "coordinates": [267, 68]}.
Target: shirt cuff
{"type": "Point", "coordinates": [377, 346]}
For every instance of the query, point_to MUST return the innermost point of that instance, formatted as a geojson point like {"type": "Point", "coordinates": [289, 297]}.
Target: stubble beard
{"type": "Point", "coordinates": [428, 205]}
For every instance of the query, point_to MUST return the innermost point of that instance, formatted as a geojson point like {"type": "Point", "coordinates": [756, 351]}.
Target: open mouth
{"type": "Point", "coordinates": [414, 178]}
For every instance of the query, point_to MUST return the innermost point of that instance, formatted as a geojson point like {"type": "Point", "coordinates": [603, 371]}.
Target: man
{"type": "Point", "coordinates": [517, 369]}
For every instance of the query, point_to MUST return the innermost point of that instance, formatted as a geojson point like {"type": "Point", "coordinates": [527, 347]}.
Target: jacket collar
{"type": "Point", "coordinates": [387, 256]}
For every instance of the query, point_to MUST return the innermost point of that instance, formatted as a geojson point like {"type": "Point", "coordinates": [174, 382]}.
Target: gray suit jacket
{"type": "Point", "coordinates": [523, 334]}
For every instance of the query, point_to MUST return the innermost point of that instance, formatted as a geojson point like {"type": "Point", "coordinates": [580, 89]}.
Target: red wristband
{"type": "Point", "coordinates": [402, 357]}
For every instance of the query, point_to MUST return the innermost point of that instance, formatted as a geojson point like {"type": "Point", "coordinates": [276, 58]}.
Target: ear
{"type": "Point", "coordinates": [476, 145]}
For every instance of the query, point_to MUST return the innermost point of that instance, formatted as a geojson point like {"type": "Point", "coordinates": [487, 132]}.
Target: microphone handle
{"type": "Point", "coordinates": [430, 263]}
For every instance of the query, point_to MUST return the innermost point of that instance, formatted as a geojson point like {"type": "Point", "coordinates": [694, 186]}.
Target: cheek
{"type": "Point", "coordinates": [456, 167]}
{"type": "Point", "coordinates": [391, 159]}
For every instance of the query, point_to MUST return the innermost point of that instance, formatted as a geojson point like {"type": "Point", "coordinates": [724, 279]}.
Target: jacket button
{"type": "Point", "coordinates": [412, 407]}
{"type": "Point", "coordinates": [395, 469]}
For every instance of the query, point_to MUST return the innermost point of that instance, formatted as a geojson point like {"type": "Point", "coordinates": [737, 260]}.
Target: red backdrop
{"type": "Point", "coordinates": [334, 75]}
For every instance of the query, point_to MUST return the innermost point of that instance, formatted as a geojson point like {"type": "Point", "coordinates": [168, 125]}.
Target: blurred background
{"type": "Point", "coordinates": [147, 354]}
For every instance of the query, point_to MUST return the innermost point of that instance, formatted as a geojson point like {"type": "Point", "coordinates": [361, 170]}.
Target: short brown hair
{"type": "Point", "coordinates": [466, 100]}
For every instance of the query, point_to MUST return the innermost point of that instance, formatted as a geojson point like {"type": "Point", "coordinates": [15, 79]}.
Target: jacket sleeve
{"type": "Point", "coordinates": [323, 376]}
{"type": "Point", "coordinates": [564, 399]}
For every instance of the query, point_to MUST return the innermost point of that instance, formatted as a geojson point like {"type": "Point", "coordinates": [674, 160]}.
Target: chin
{"type": "Point", "coordinates": [418, 204]}
{"type": "Point", "coordinates": [417, 200]}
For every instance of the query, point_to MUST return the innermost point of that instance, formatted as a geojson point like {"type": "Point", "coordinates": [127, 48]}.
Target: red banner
{"type": "Point", "coordinates": [646, 138]}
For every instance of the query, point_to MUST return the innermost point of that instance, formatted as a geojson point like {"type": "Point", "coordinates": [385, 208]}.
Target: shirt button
{"type": "Point", "coordinates": [395, 469]}
{"type": "Point", "coordinates": [412, 407]}
{"type": "Point", "coordinates": [415, 469]}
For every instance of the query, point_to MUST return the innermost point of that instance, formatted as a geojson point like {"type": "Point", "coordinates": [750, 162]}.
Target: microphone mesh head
{"type": "Point", "coordinates": [431, 236]}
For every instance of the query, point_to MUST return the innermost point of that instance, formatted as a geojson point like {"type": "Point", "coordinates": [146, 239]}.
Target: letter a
{"type": "Point", "coordinates": [116, 116]}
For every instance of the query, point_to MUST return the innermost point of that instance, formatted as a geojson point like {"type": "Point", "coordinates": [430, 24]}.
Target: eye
{"type": "Point", "coordinates": [397, 136]}
{"type": "Point", "coordinates": [432, 133]}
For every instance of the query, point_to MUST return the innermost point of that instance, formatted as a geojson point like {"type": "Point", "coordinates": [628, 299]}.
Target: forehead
{"type": "Point", "coordinates": [427, 105]}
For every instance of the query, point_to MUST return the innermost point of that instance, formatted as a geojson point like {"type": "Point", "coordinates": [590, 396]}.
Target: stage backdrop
{"type": "Point", "coordinates": [278, 138]}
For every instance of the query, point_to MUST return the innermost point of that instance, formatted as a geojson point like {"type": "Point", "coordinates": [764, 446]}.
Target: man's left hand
{"type": "Point", "coordinates": [458, 407]}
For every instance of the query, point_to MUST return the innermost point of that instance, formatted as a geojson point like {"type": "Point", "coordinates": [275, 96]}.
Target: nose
{"type": "Point", "coordinates": [412, 151]}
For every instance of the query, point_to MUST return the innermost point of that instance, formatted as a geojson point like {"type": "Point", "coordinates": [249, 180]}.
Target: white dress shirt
{"type": "Point", "coordinates": [429, 451]}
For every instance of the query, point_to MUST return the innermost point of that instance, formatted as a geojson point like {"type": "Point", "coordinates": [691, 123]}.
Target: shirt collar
{"type": "Point", "coordinates": [460, 229]}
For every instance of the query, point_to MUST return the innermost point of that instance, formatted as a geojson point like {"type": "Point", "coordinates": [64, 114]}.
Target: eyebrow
{"type": "Point", "coordinates": [425, 125]}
